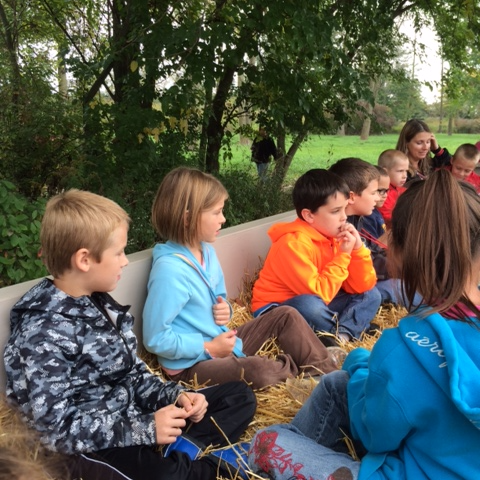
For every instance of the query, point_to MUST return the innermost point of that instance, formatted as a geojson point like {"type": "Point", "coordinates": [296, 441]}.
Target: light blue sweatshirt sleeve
{"type": "Point", "coordinates": [170, 290]}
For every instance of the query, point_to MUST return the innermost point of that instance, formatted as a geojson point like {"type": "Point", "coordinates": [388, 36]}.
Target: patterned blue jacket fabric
{"type": "Point", "coordinates": [74, 373]}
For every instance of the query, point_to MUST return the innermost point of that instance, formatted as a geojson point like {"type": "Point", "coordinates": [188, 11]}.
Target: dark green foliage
{"type": "Point", "coordinates": [250, 199]}
{"type": "Point", "coordinates": [19, 236]}
{"type": "Point", "coordinates": [40, 140]}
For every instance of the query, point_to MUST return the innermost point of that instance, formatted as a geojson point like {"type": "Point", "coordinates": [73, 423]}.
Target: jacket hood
{"type": "Point", "coordinates": [454, 367]}
{"type": "Point", "coordinates": [46, 297]}
{"type": "Point", "coordinates": [296, 227]}
{"type": "Point", "coordinates": [169, 248]}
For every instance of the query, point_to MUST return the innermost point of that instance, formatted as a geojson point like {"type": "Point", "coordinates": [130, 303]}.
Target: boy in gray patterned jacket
{"type": "Point", "coordinates": [72, 367]}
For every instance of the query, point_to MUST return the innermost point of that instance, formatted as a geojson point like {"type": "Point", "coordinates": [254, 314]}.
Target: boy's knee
{"type": "Point", "coordinates": [337, 379]}
{"type": "Point", "coordinates": [288, 314]}
{"type": "Point", "coordinates": [373, 295]}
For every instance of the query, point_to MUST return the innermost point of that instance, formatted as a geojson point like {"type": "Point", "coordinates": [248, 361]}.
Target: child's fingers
{"type": "Point", "coordinates": [230, 333]}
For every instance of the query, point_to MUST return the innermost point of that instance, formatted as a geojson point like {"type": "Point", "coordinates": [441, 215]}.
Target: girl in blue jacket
{"type": "Point", "coordinates": [412, 405]}
{"type": "Point", "coordinates": [186, 312]}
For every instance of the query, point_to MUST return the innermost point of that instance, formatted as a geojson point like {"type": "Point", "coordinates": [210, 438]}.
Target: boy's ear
{"type": "Point", "coordinates": [81, 260]}
{"type": "Point", "coordinates": [351, 198]}
{"type": "Point", "coordinates": [307, 215]}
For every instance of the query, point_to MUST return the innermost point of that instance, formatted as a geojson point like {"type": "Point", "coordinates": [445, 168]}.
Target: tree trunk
{"type": "Point", "coordinates": [62, 79]}
{"type": "Point", "coordinates": [284, 160]}
{"type": "Point", "coordinates": [12, 48]}
{"type": "Point", "coordinates": [244, 118]}
{"type": "Point", "coordinates": [124, 78]}
{"type": "Point", "coordinates": [367, 122]}
{"type": "Point", "coordinates": [215, 128]}
{"type": "Point", "coordinates": [440, 121]}
{"type": "Point", "coordinates": [341, 130]}
{"type": "Point", "coordinates": [450, 125]}
{"type": "Point", "coordinates": [202, 150]}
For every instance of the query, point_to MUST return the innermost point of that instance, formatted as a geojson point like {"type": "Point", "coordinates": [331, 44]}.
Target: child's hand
{"type": "Point", "coordinates": [349, 238]}
{"type": "Point", "coordinates": [221, 311]}
{"type": "Point", "coordinates": [169, 422]}
{"type": "Point", "coordinates": [195, 404]}
{"type": "Point", "coordinates": [433, 143]}
{"type": "Point", "coordinates": [222, 345]}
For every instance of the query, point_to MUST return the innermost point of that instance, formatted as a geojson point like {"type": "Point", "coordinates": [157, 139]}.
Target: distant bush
{"type": "Point", "coordinates": [382, 121]}
{"type": "Point", "coordinates": [467, 125]}
{"type": "Point", "coordinates": [250, 199]}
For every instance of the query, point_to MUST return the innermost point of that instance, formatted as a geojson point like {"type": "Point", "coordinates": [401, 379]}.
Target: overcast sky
{"type": "Point", "coordinates": [428, 67]}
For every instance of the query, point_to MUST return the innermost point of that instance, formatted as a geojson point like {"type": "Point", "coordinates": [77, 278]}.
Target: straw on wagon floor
{"type": "Point", "coordinates": [280, 403]}
{"type": "Point", "coordinates": [276, 404]}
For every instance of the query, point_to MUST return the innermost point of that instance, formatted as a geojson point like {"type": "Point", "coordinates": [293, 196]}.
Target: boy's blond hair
{"type": "Point", "coordinates": [77, 219]}
{"type": "Point", "coordinates": [388, 158]}
{"type": "Point", "coordinates": [184, 194]}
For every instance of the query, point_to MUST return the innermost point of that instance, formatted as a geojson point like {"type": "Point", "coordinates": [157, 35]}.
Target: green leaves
{"type": "Point", "coordinates": [19, 236]}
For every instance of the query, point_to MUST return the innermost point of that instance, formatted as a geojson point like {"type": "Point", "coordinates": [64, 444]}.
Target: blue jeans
{"type": "Point", "coordinates": [262, 169]}
{"type": "Point", "coordinates": [391, 292]}
{"type": "Point", "coordinates": [312, 445]}
{"type": "Point", "coordinates": [346, 313]}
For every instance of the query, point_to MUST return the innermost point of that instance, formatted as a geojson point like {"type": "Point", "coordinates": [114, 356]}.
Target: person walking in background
{"type": "Point", "coordinates": [263, 147]}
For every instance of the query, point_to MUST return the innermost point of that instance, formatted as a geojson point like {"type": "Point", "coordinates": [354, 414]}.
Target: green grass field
{"type": "Point", "coordinates": [321, 151]}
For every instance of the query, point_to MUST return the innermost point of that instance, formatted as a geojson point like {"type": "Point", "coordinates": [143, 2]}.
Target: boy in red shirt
{"type": "Point", "coordinates": [395, 163]}
{"type": "Point", "coordinates": [463, 164]}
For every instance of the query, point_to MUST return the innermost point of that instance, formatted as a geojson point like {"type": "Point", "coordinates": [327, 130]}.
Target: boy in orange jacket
{"type": "Point", "coordinates": [318, 263]}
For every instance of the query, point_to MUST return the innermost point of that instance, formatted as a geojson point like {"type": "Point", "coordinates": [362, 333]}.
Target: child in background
{"type": "Point", "coordinates": [374, 224]}
{"type": "Point", "coordinates": [318, 263]}
{"type": "Point", "coordinates": [186, 312]}
{"type": "Point", "coordinates": [72, 366]}
{"type": "Point", "coordinates": [463, 164]}
{"type": "Point", "coordinates": [411, 405]}
{"type": "Point", "coordinates": [396, 164]}
{"type": "Point", "coordinates": [363, 179]}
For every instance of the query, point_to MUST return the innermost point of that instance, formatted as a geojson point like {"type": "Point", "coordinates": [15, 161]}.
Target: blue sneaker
{"type": "Point", "coordinates": [184, 444]}
{"type": "Point", "coordinates": [233, 460]}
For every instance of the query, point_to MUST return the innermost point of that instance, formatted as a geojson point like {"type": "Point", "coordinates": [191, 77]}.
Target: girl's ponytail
{"type": "Point", "coordinates": [435, 237]}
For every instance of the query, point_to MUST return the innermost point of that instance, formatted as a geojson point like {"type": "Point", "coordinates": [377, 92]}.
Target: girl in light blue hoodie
{"type": "Point", "coordinates": [186, 312]}
{"type": "Point", "coordinates": [412, 405]}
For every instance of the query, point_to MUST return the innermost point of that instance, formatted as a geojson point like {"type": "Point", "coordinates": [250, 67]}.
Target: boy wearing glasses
{"type": "Point", "coordinates": [374, 224]}
{"type": "Point", "coordinates": [396, 164]}
{"type": "Point", "coordinates": [359, 176]}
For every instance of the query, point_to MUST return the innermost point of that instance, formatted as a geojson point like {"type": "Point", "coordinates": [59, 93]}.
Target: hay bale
{"type": "Point", "coordinates": [21, 453]}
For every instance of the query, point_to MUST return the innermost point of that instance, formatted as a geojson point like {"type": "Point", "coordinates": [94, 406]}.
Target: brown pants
{"type": "Point", "coordinates": [303, 351]}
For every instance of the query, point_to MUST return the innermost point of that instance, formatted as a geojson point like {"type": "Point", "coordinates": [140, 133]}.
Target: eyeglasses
{"type": "Point", "coordinates": [383, 191]}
